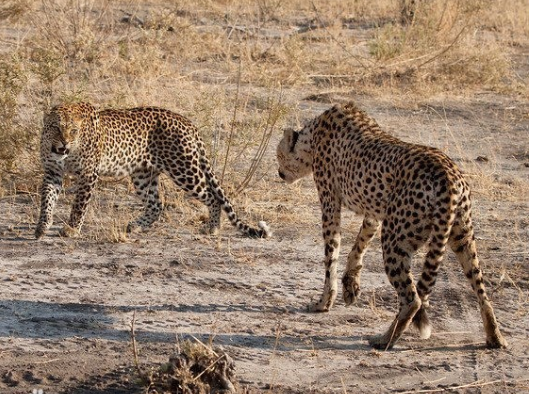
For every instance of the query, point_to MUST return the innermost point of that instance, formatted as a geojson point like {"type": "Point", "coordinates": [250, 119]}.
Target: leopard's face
{"type": "Point", "coordinates": [294, 154]}
{"type": "Point", "coordinates": [62, 130]}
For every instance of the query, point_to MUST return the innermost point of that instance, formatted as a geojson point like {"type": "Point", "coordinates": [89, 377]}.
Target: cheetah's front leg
{"type": "Point", "coordinates": [332, 239]}
{"type": "Point", "coordinates": [351, 277]}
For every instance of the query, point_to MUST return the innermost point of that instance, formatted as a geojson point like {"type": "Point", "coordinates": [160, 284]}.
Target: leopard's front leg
{"type": "Point", "coordinates": [52, 182]}
{"type": "Point", "coordinates": [86, 185]}
{"type": "Point", "coordinates": [331, 209]}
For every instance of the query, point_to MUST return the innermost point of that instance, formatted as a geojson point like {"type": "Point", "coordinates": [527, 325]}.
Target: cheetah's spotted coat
{"type": "Point", "coordinates": [416, 192]}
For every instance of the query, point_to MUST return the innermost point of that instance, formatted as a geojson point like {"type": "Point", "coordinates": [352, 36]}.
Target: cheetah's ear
{"type": "Point", "coordinates": [293, 141]}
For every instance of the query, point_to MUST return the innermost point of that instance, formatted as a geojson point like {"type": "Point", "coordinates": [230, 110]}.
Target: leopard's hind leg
{"type": "Point", "coordinates": [146, 187]}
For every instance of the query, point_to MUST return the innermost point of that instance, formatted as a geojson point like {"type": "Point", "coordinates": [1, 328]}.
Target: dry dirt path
{"type": "Point", "coordinates": [66, 305]}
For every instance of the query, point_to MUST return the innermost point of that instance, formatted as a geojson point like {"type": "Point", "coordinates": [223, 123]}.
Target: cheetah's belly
{"type": "Point", "coordinates": [359, 204]}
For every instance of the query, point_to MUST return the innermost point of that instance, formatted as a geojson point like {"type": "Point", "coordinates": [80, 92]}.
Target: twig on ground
{"type": "Point", "coordinates": [134, 346]}
{"type": "Point", "coordinates": [477, 383]}
{"type": "Point", "coordinates": [204, 345]}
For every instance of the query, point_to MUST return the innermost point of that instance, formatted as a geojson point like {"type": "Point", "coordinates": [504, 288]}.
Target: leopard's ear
{"type": "Point", "coordinates": [51, 115]}
{"type": "Point", "coordinates": [47, 118]}
{"type": "Point", "coordinates": [77, 120]}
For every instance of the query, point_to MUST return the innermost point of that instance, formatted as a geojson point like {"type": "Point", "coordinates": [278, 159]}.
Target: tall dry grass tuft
{"type": "Point", "coordinates": [12, 80]}
{"type": "Point", "coordinates": [17, 139]}
{"type": "Point", "coordinates": [446, 44]}
{"type": "Point", "coordinates": [13, 10]}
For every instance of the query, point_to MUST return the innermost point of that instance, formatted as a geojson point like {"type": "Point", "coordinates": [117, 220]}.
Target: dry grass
{"type": "Point", "coordinates": [446, 44]}
{"type": "Point", "coordinates": [239, 69]}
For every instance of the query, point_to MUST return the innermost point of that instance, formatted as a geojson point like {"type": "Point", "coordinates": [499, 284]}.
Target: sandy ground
{"type": "Point", "coordinates": [66, 305]}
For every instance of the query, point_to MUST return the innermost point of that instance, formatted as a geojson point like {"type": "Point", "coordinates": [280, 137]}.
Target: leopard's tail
{"type": "Point", "coordinates": [262, 232]}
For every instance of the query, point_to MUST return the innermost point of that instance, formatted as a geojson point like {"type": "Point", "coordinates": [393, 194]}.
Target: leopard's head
{"type": "Point", "coordinates": [62, 129]}
{"type": "Point", "coordinates": [294, 154]}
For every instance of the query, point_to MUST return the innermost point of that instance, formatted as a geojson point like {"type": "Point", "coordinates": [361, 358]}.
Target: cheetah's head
{"type": "Point", "coordinates": [62, 129]}
{"type": "Point", "coordinates": [294, 154]}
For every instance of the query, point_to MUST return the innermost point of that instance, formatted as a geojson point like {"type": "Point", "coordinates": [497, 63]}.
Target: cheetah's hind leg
{"type": "Point", "coordinates": [463, 244]}
{"type": "Point", "coordinates": [422, 322]}
{"type": "Point", "coordinates": [397, 263]}
{"type": "Point", "coordinates": [398, 326]}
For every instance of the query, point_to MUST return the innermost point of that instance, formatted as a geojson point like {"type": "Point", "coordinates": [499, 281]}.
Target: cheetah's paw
{"type": "Point", "coordinates": [351, 289]}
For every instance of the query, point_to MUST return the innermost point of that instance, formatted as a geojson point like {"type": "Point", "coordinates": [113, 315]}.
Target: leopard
{"type": "Point", "coordinates": [141, 143]}
{"type": "Point", "coordinates": [415, 194]}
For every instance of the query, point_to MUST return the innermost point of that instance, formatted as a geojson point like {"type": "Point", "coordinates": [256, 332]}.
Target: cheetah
{"type": "Point", "coordinates": [416, 193]}
{"type": "Point", "coordinates": [141, 143]}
